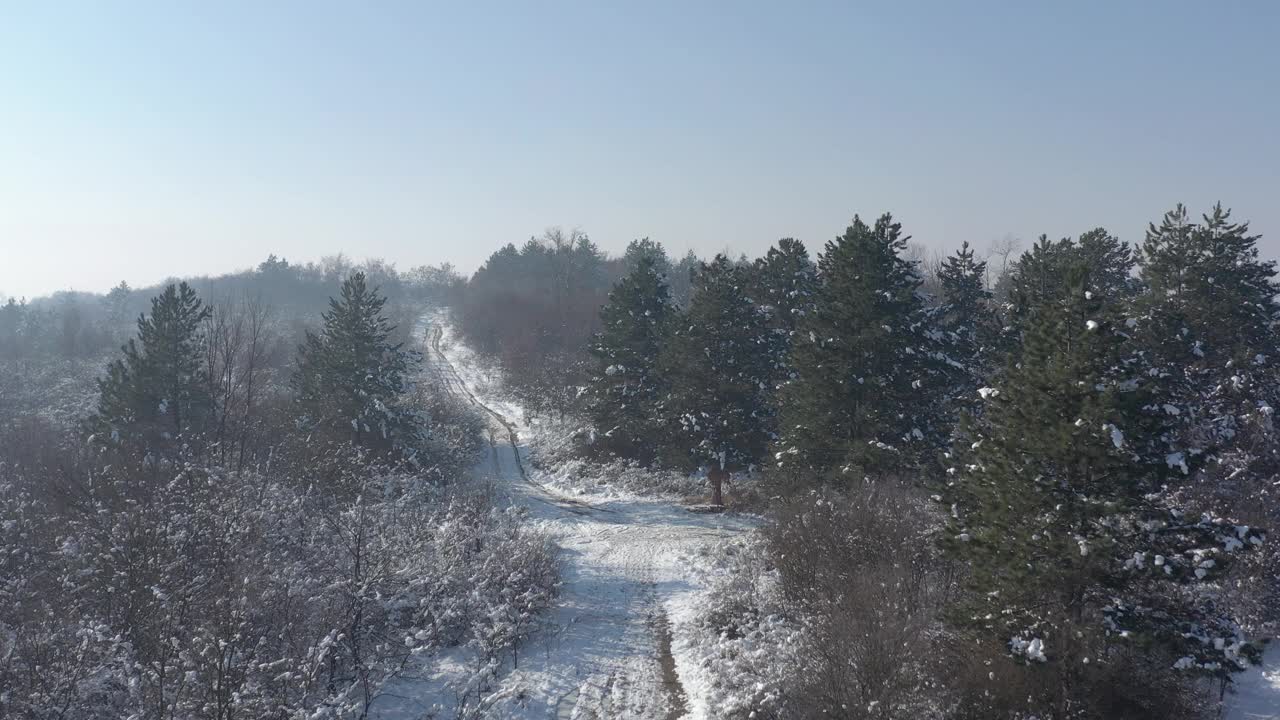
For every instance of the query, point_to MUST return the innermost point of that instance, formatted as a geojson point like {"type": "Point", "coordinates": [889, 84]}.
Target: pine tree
{"type": "Point", "coordinates": [680, 280]}
{"type": "Point", "coordinates": [12, 317]}
{"type": "Point", "coordinates": [782, 285]}
{"type": "Point", "coordinates": [969, 327]}
{"type": "Point", "coordinates": [1112, 262]}
{"type": "Point", "coordinates": [350, 377]}
{"type": "Point", "coordinates": [115, 303]}
{"type": "Point", "coordinates": [861, 359]}
{"type": "Point", "coordinates": [1208, 323]}
{"type": "Point", "coordinates": [1058, 502]}
{"type": "Point", "coordinates": [1040, 274]}
{"type": "Point", "coordinates": [644, 249]}
{"type": "Point", "coordinates": [626, 388]}
{"type": "Point", "coordinates": [716, 375]}
{"type": "Point", "coordinates": [1209, 280]}
{"type": "Point", "coordinates": [156, 398]}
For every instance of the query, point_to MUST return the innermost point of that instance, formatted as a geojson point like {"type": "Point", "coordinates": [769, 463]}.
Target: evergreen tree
{"type": "Point", "coordinates": [626, 388]}
{"type": "Point", "coordinates": [1208, 324]}
{"type": "Point", "coordinates": [783, 284]}
{"type": "Point", "coordinates": [1039, 276]}
{"type": "Point", "coordinates": [716, 375]}
{"type": "Point", "coordinates": [638, 251]}
{"type": "Point", "coordinates": [861, 359]}
{"type": "Point", "coordinates": [969, 329]}
{"type": "Point", "coordinates": [115, 303]}
{"type": "Point", "coordinates": [12, 318]}
{"type": "Point", "coordinates": [156, 398]}
{"type": "Point", "coordinates": [1058, 503]}
{"type": "Point", "coordinates": [680, 279]}
{"type": "Point", "coordinates": [1210, 289]}
{"type": "Point", "coordinates": [1111, 261]}
{"type": "Point", "coordinates": [350, 377]}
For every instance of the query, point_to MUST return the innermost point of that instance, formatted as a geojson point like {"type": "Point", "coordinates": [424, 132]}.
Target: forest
{"type": "Point", "coordinates": [1029, 485]}
{"type": "Point", "coordinates": [990, 484]}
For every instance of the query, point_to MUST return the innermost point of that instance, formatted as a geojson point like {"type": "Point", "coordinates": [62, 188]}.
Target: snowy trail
{"type": "Point", "coordinates": [608, 650]}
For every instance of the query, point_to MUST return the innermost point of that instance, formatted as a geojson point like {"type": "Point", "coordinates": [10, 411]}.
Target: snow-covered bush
{"type": "Point", "coordinates": [831, 611]}
{"type": "Point", "coordinates": [132, 589]}
{"type": "Point", "coordinates": [746, 641]}
{"type": "Point", "coordinates": [861, 571]}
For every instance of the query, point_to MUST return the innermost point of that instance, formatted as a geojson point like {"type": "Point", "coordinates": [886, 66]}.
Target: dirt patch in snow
{"type": "Point", "coordinates": [678, 704]}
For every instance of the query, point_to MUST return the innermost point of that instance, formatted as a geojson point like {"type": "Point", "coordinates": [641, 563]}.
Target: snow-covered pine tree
{"type": "Point", "coordinates": [643, 249]}
{"type": "Point", "coordinates": [350, 377]}
{"type": "Point", "coordinates": [862, 360]}
{"type": "Point", "coordinates": [1058, 504]}
{"type": "Point", "coordinates": [1209, 315]}
{"type": "Point", "coordinates": [969, 327]}
{"type": "Point", "coordinates": [626, 388]}
{"type": "Point", "coordinates": [783, 284]}
{"type": "Point", "coordinates": [1040, 274]}
{"type": "Point", "coordinates": [155, 398]}
{"type": "Point", "coordinates": [1112, 261]}
{"type": "Point", "coordinates": [1208, 323]}
{"type": "Point", "coordinates": [717, 376]}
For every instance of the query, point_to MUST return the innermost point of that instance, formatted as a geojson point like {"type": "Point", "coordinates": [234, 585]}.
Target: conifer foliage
{"type": "Point", "coordinates": [861, 357]}
{"type": "Point", "coordinates": [716, 373]}
{"type": "Point", "coordinates": [155, 398]}
{"type": "Point", "coordinates": [968, 326]}
{"type": "Point", "coordinates": [783, 284]}
{"type": "Point", "coordinates": [1208, 323]}
{"type": "Point", "coordinates": [626, 388]}
{"type": "Point", "coordinates": [351, 377]}
{"type": "Point", "coordinates": [1059, 505]}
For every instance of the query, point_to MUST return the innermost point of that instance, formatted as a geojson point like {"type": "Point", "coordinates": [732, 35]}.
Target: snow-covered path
{"type": "Point", "coordinates": [1256, 695]}
{"type": "Point", "coordinates": [607, 652]}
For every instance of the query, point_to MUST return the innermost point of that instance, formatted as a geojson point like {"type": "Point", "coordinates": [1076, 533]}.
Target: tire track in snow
{"type": "Point", "coordinates": [610, 654]}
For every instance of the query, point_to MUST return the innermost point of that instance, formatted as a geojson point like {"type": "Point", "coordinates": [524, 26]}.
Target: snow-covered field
{"type": "Point", "coordinates": [629, 573]}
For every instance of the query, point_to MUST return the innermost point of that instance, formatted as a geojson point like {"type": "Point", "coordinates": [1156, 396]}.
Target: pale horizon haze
{"type": "Point", "coordinates": [141, 141]}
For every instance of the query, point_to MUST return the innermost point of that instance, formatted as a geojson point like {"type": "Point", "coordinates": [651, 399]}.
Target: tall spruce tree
{"type": "Point", "coordinates": [350, 377]}
{"type": "Point", "coordinates": [155, 398]}
{"type": "Point", "coordinates": [717, 376]}
{"type": "Point", "coordinates": [1058, 503]}
{"type": "Point", "coordinates": [626, 388]}
{"type": "Point", "coordinates": [862, 361]}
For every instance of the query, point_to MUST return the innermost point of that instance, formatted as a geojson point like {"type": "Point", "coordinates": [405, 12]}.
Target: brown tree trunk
{"type": "Point", "coordinates": [717, 476]}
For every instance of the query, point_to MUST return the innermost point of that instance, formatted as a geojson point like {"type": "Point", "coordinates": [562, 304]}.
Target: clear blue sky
{"type": "Point", "coordinates": [144, 140]}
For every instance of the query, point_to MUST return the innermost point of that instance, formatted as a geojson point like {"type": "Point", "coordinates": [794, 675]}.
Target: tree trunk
{"type": "Point", "coordinates": [717, 476]}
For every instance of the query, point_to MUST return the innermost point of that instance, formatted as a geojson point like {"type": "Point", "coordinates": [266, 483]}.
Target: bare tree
{"type": "Point", "coordinates": [1002, 248]}
{"type": "Point", "coordinates": [235, 349]}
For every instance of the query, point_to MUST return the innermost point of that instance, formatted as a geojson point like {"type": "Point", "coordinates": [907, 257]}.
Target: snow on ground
{"type": "Point", "coordinates": [607, 650]}
{"type": "Point", "coordinates": [1256, 693]}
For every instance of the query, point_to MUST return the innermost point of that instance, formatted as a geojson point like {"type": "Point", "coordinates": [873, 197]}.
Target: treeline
{"type": "Point", "coordinates": [535, 308]}
{"type": "Point", "coordinates": [224, 537]}
{"type": "Point", "coordinates": [69, 324]}
{"type": "Point", "coordinates": [1041, 505]}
